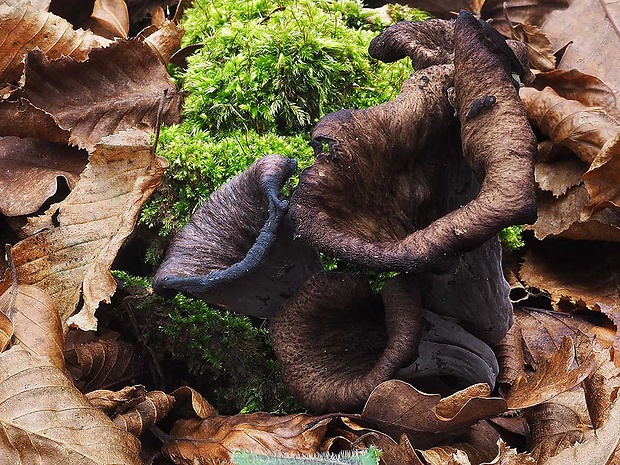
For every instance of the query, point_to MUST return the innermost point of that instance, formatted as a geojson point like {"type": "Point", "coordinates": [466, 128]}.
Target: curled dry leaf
{"type": "Point", "coordinates": [31, 28]}
{"type": "Point", "coordinates": [46, 420]}
{"type": "Point", "coordinates": [21, 118]}
{"type": "Point", "coordinates": [218, 437]}
{"type": "Point", "coordinates": [558, 176]}
{"type": "Point", "coordinates": [601, 180]}
{"type": "Point", "coordinates": [577, 277]}
{"type": "Point", "coordinates": [572, 84]}
{"type": "Point", "coordinates": [510, 456]}
{"type": "Point", "coordinates": [543, 332]}
{"type": "Point", "coordinates": [102, 364]}
{"type": "Point", "coordinates": [79, 237]}
{"type": "Point", "coordinates": [510, 356]}
{"type": "Point", "coordinates": [111, 401]}
{"type": "Point", "coordinates": [602, 386]}
{"type": "Point", "coordinates": [558, 424]}
{"type": "Point", "coordinates": [166, 41]}
{"type": "Point", "coordinates": [189, 403]}
{"type": "Point", "coordinates": [110, 18]}
{"type": "Point", "coordinates": [591, 29]}
{"type": "Point", "coordinates": [146, 414]}
{"type": "Point", "coordinates": [570, 123]}
{"type": "Point", "coordinates": [426, 417]}
{"type": "Point", "coordinates": [600, 448]}
{"type": "Point", "coordinates": [113, 93]}
{"type": "Point", "coordinates": [552, 377]}
{"type": "Point", "coordinates": [540, 52]}
{"type": "Point", "coordinates": [30, 170]}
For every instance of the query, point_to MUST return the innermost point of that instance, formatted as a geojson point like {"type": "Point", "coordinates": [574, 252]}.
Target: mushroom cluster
{"type": "Point", "coordinates": [420, 185]}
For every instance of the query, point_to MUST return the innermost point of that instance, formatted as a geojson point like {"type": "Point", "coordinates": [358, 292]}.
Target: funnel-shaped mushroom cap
{"type": "Point", "coordinates": [377, 197]}
{"type": "Point", "coordinates": [427, 43]}
{"type": "Point", "coordinates": [237, 251]}
{"type": "Point", "coordinates": [336, 341]}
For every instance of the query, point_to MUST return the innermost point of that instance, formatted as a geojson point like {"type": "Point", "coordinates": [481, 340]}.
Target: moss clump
{"type": "Point", "coordinates": [225, 356]}
{"type": "Point", "coordinates": [512, 237]}
{"type": "Point", "coordinates": [269, 69]}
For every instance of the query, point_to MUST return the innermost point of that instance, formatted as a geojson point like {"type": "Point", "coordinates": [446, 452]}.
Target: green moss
{"type": "Point", "coordinates": [225, 356]}
{"type": "Point", "coordinates": [512, 237]}
{"type": "Point", "coordinates": [268, 71]}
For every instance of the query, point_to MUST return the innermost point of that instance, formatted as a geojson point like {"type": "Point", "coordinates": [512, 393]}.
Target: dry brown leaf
{"type": "Point", "coordinates": [601, 448]}
{"type": "Point", "coordinates": [111, 18]}
{"type": "Point", "coordinates": [559, 175]}
{"type": "Point", "coordinates": [552, 377]}
{"type": "Point", "coordinates": [30, 28]}
{"type": "Point", "coordinates": [102, 364]}
{"type": "Point", "coordinates": [601, 180]}
{"type": "Point", "coordinates": [543, 331]}
{"type": "Point", "coordinates": [601, 387]}
{"type": "Point", "coordinates": [577, 276]}
{"type": "Point", "coordinates": [445, 455]}
{"type": "Point", "coordinates": [22, 119]}
{"type": "Point", "coordinates": [190, 404]}
{"type": "Point", "coordinates": [45, 420]}
{"type": "Point", "coordinates": [218, 437]}
{"type": "Point", "coordinates": [399, 406]}
{"type": "Point", "coordinates": [119, 88]}
{"type": "Point", "coordinates": [146, 414]}
{"type": "Point", "coordinates": [591, 28]}
{"type": "Point", "coordinates": [29, 172]}
{"type": "Point", "coordinates": [572, 84]}
{"type": "Point", "coordinates": [509, 352]}
{"type": "Point", "coordinates": [111, 401]}
{"type": "Point", "coordinates": [80, 236]}
{"type": "Point", "coordinates": [37, 325]}
{"type": "Point", "coordinates": [7, 306]}
{"type": "Point", "coordinates": [166, 41]}
{"type": "Point", "coordinates": [569, 123]}
{"type": "Point", "coordinates": [392, 452]}
{"type": "Point", "coordinates": [565, 217]}
{"type": "Point", "coordinates": [509, 456]}
{"type": "Point", "coordinates": [539, 49]}
{"type": "Point", "coordinates": [558, 424]}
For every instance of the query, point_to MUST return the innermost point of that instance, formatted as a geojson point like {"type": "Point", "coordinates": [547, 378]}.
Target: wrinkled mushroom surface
{"type": "Point", "coordinates": [237, 251]}
{"type": "Point", "coordinates": [336, 341]}
{"type": "Point", "coordinates": [376, 197]}
{"type": "Point", "coordinates": [427, 43]}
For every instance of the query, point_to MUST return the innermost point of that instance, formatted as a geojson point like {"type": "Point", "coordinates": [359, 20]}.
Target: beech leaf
{"type": "Point", "coordinates": [102, 364]}
{"type": "Point", "coordinates": [396, 404]}
{"type": "Point", "coordinates": [577, 277]}
{"type": "Point", "coordinates": [558, 424]}
{"type": "Point", "coordinates": [29, 170]}
{"type": "Point", "coordinates": [45, 420]}
{"type": "Point", "coordinates": [601, 448]}
{"type": "Point", "coordinates": [73, 257]}
{"type": "Point", "coordinates": [591, 29]}
{"type": "Point", "coordinates": [218, 437]}
{"type": "Point", "coordinates": [112, 15]}
{"type": "Point", "coordinates": [552, 377]}
{"type": "Point", "coordinates": [119, 88]}
{"type": "Point", "coordinates": [31, 28]}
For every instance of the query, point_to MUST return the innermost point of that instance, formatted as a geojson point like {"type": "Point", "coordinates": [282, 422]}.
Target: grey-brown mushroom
{"type": "Point", "coordinates": [237, 251]}
{"type": "Point", "coordinates": [386, 192]}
